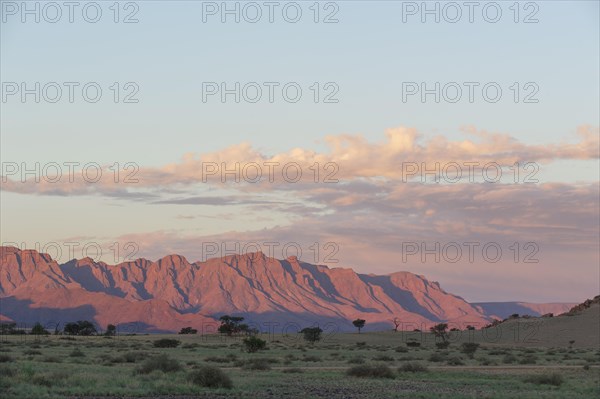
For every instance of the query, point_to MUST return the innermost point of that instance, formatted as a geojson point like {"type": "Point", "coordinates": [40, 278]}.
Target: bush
{"type": "Point", "coordinates": [509, 358]}
{"type": "Point", "coordinates": [378, 371]}
{"type": "Point", "coordinates": [442, 345]}
{"type": "Point", "coordinates": [161, 362]}
{"type": "Point", "coordinates": [455, 361]}
{"type": "Point", "coordinates": [469, 348]}
{"type": "Point", "coordinates": [311, 358]}
{"type": "Point", "coordinates": [356, 360]}
{"type": "Point", "coordinates": [7, 372]}
{"type": "Point", "coordinates": [6, 359]}
{"type": "Point", "coordinates": [42, 380]}
{"type": "Point", "coordinates": [528, 359]}
{"type": "Point", "coordinates": [412, 368]}
{"type": "Point", "coordinates": [257, 364]}
{"type": "Point", "coordinates": [219, 359]}
{"type": "Point", "coordinates": [51, 359]}
{"type": "Point", "coordinates": [413, 344]}
{"type": "Point", "coordinates": [254, 344]}
{"type": "Point", "coordinates": [401, 349]}
{"type": "Point", "coordinates": [188, 330]}
{"type": "Point", "coordinates": [132, 357]}
{"type": "Point", "coordinates": [166, 343]}
{"type": "Point", "coordinates": [546, 379]}
{"type": "Point", "coordinates": [384, 358]}
{"type": "Point", "coordinates": [77, 353]}
{"type": "Point", "coordinates": [210, 377]}
{"type": "Point", "coordinates": [438, 357]}
{"type": "Point", "coordinates": [293, 370]}
{"type": "Point", "coordinates": [32, 352]}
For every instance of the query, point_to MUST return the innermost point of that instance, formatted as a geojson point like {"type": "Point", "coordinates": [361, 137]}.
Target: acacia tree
{"type": "Point", "coordinates": [188, 330]}
{"type": "Point", "coordinates": [440, 330]}
{"type": "Point", "coordinates": [38, 329]}
{"type": "Point", "coordinates": [312, 334]}
{"type": "Point", "coordinates": [82, 327]}
{"type": "Point", "coordinates": [111, 330]}
{"type": "Point", "coordinates": [397, 323]}
{"type": "Point", "coordinates": [232, 325]}
{"type": "Point", "coordinates": [359, 323]}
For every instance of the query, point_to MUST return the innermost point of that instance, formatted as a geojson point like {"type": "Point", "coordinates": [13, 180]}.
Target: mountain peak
{"type": "Point", "coordinates": [255, 285]}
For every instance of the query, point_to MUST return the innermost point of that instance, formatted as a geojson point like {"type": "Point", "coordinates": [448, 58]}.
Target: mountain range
{"type": "Point", "coordinates": [171, 293]}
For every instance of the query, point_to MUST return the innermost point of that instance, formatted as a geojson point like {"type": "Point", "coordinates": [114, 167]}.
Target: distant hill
{"type": "Point", "coordinates": [171, 293]}
{"type": "Point", "coordinates": [579, 328]}
{"type": "Point", "coordinates": [501, 310]}
{"type": "Point", "coordinates": [285, 295]}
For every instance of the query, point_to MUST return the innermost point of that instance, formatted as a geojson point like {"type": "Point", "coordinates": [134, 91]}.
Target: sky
{"type": "Point", "coordinates": [377, 95]}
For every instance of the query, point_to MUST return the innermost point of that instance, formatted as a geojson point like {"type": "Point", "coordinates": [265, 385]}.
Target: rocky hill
{"type": "Point", "coordinates": [170, 293]}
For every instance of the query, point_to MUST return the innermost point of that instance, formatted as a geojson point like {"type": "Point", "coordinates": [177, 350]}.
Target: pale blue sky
{"type": "Point", "coordinates": [368, 54]}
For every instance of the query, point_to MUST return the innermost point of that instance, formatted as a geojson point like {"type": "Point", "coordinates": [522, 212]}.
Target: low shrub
{"type": "Point", "coordinates": [311, 358]}
{"type": "Point", "coordinates": [7, 372]}
{"type": "Point", "coordinates": [413, 344]}
{"type": "Point", "coordinates": [438, 357]}
{"type": "Point", "coordinates": [166, 343]}
{"type": "Point", "coordinates": [384, 358]}
{"type": "Point", "coordinates": [407, 358]}
{"type": "Point", "coordinates": [412, 368]}
{"type": "Point", "coordinates": [509, 358]}
{"type": "Point", "coordinates": [42, 380]}
{"type": "Point", "coordinates": [528, 359]}
{"type": "Point", "coordinates": [210, 377]}
{"type": "Point", "coordinates": [455, 361]}
{"type": "Point", "coordinates": [219, 359]}
{"type": "Point", "coordinates": [545, 379]}
{"type": "Point", "coordinates": [52, 359]}
{"type": "Point", "coordinates": [257, 364]}
{"type": "Point", "coordinates": [487, 362]}
{"type": "Point", "coordinates": [292, 370]}
{"type": "Point", "coordinates": [356, 360]}
{"type": "Point", "coordinates": [6, 359]}
{"type": "Point", "coordinates": [401, 349]}
{"type": "Point", "coordinates": [77, 353]}
{"type": "Point", "coordinates": [442, 345]}
{"type": "Point", "coordinates": [370, 371]}
{"type": "Point", "coordinates": [50, 379]}
{"type": "Point", "coordinates": [469, 348]}
{"type": "Point", "coordinates": [31, 352]}
{"type": "Point", "coordinates": [161, 362]}
{"type": "Point", "coordinates": [132, 357]}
